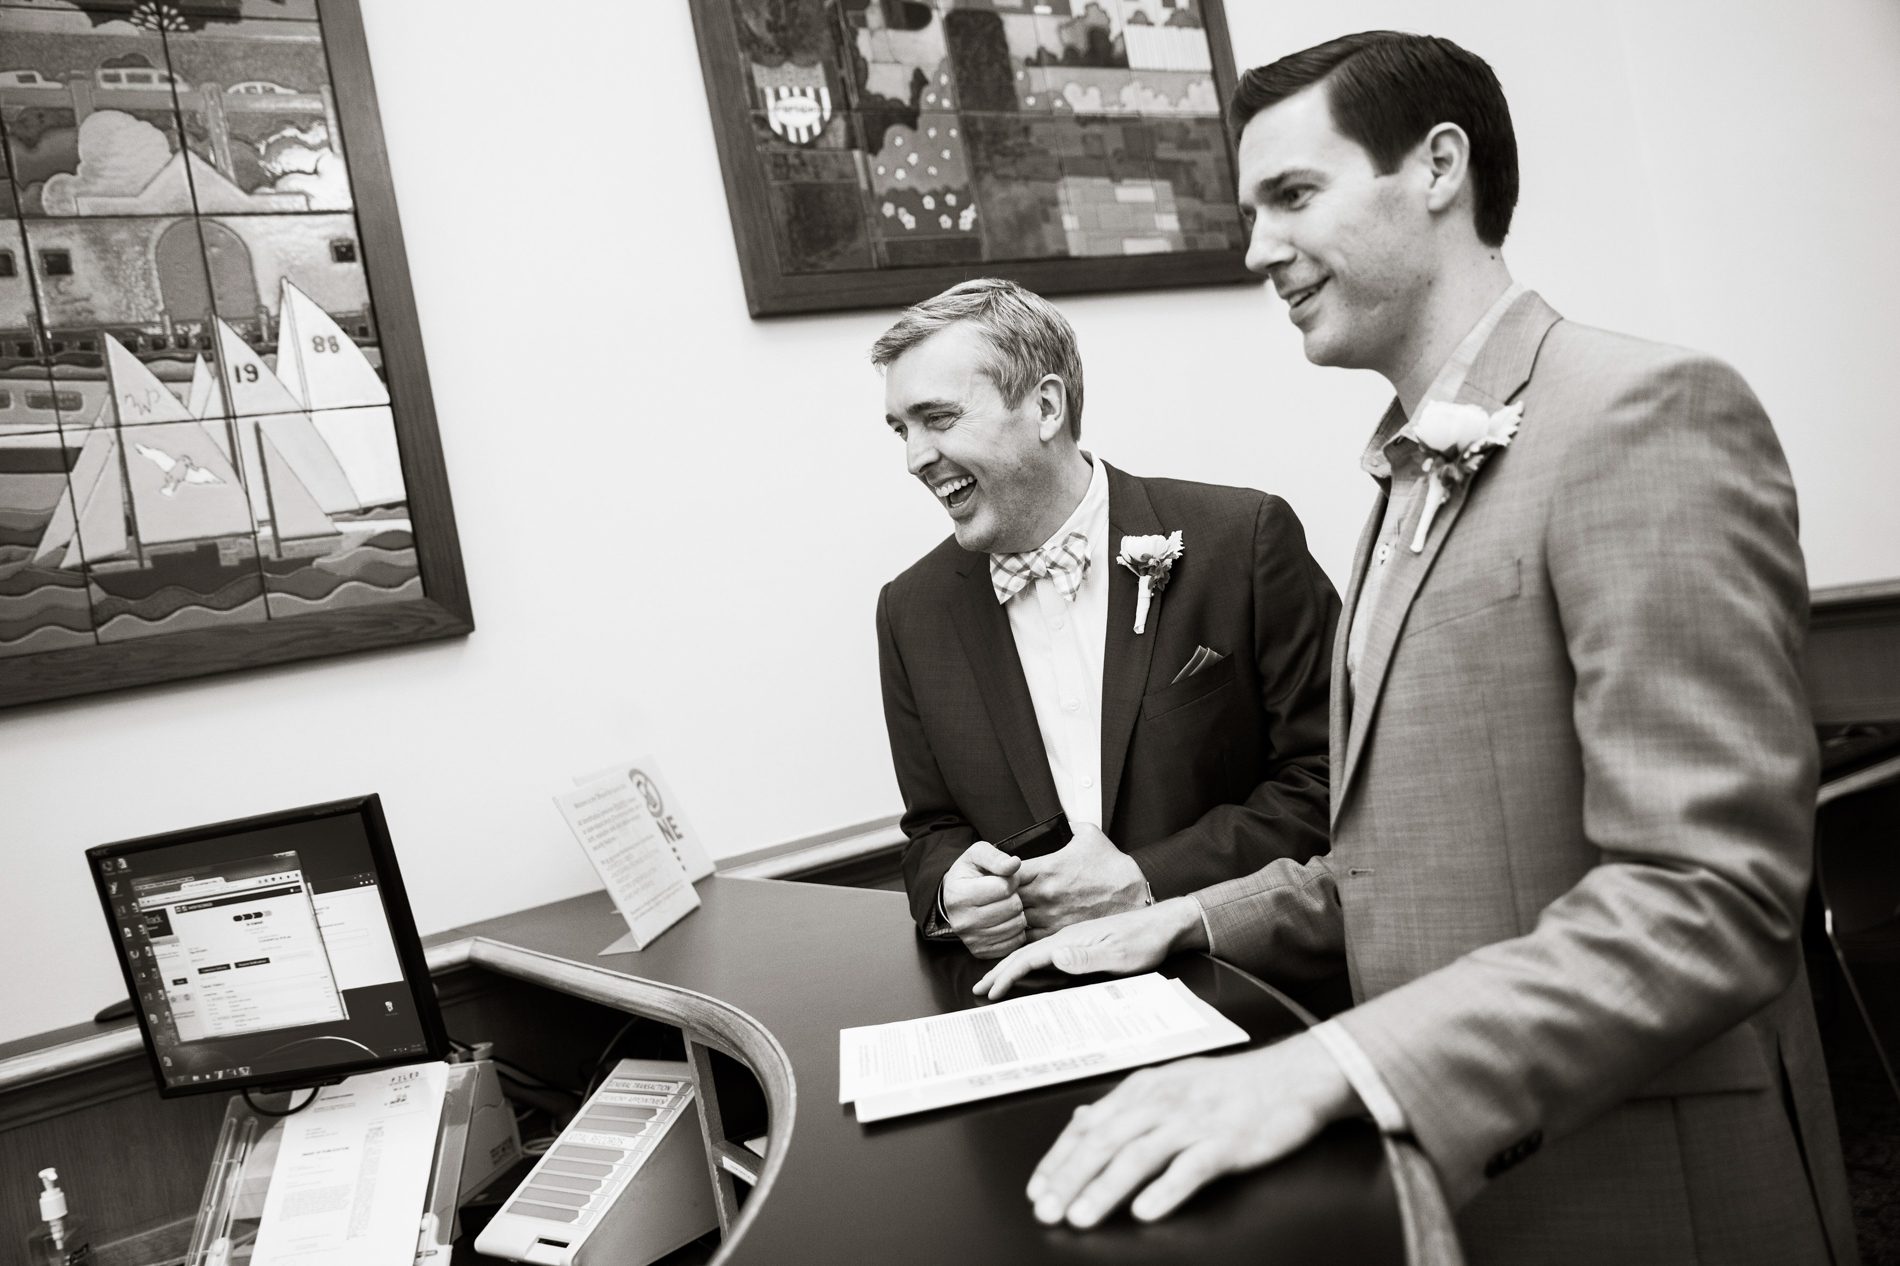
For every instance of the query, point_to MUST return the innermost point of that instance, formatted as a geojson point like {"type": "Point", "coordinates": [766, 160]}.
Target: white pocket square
{"type": "Point", "coordinates": [1203, 657]}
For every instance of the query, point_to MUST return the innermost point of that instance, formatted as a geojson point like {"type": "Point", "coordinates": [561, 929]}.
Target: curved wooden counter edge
{"type": "Point", "coordinates": [717, 1024]}
{"type": "Point", "coordinates": [1431, 1234]}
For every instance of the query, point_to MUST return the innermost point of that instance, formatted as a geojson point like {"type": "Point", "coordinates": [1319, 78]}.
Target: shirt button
{"type": "Point", "coordinates": [1057, 626]}
{"type": "Point", "coordinates": [1088, 782]}
{"type": "Point", "coordinates": [1071, 704]}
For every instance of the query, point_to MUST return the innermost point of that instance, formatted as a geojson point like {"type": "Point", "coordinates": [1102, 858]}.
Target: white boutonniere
{"type": "Point", "coordinates": [1151, 558]}
{"type": "Point", "coordinates": [1456, 439]}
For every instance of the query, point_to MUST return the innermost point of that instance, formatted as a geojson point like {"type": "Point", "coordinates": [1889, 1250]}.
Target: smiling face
{"type": "Point", "coordinates": [995, 468]}
{"type": "Point", "coordinates": [1349, 249]}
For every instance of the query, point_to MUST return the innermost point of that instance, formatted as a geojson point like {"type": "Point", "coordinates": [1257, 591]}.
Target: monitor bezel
{"type": "Point", "coordinates": [402, 930]}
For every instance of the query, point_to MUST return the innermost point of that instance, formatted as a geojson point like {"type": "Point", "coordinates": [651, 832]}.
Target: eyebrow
{"type": "Point", "coordinates": [917, 407]}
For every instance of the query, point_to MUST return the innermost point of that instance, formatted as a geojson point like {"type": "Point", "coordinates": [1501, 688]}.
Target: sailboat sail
{"type": "Point", "coordinates": [257, 397]}
{"type": "Point", "coordinates": [101, 501]}
{"type": "Point", "coordinates": [364, 440]}
{"type": "Point", "coordinates": [103, 538]}
{"type": "Point", "coordinates": [59, 529]}
{"type": "Point", "coordinates": [295, 514]}
{"type": "Point", "coordinates": [203, 400]}
{"type": "Point", "coordinates": [182, 488]}
{"type": "Point", "coordinates": [317, 362]}
{"type": "Point", "coordinates": [138, 396]}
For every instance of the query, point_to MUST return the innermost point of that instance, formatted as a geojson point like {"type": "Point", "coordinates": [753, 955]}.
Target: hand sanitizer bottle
{"type": "Point", "coordinates": [62, 1241]}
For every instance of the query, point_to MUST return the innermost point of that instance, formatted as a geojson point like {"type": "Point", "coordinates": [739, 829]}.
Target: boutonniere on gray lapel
{"type": "Point", "coordinates": [1151, 558]}
{"type": "Point", "coordinates": [1456, 438]}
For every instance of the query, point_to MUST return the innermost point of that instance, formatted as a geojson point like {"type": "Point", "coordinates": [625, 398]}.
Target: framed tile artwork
{"type": "Point", "coordinates": [217, 443]}
{"type": "Point", "coordinates": [877, 151]}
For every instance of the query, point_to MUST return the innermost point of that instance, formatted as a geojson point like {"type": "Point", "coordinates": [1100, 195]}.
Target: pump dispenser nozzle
{"type": "Point", "coordinates": [52, 1200]}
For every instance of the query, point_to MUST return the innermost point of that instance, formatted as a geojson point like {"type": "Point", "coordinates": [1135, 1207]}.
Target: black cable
{"type": "Point", "coordinates": [527, 1077]}
{"type": "Point", "coordinates": [271, 1112]}
{"type": "Point", "coordinates": [508, 1070]}
{"type": "Point", "coordinates": [600, 1065]}
{"type": "Point", "coordinates": [533, 1083]}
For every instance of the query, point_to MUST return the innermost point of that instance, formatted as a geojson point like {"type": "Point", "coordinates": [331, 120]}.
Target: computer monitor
{"type": "Point", "coordinates": [270, 952]}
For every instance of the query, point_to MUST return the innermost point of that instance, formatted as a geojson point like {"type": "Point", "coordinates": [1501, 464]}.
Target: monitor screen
{"type": "Point", "coordinates": [274, 951]}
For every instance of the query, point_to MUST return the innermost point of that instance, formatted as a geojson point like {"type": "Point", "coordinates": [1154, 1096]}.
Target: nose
{"type": "Point", "coordinates": [1267, 247]}
{"type": "Point", "coordinates": [920, 449]}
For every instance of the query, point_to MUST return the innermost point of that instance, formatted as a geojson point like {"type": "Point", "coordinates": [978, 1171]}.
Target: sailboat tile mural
{"type": "Point", "coordinates": [209, 434]}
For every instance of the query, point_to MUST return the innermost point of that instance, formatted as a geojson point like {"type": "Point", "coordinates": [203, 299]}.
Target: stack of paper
{"type": "Point", "coordinates": [352, 1172]}
{"type": "Point", "coordinates": [889, 1070]}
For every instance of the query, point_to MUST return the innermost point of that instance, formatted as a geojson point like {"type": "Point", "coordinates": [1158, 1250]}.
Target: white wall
{"type": "Point", "coordinates": [618, 433]}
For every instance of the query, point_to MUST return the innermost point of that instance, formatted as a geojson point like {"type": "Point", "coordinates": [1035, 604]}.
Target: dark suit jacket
{"type": "Point", "coordinates": [1203, 779]}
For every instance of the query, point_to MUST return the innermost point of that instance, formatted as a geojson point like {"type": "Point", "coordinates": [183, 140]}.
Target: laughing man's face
{"type": "Point", "coordinates": [983, 460]}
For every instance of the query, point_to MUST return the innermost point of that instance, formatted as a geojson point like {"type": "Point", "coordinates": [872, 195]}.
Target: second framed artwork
{"type": "Point", "coordinates": [878, 151]}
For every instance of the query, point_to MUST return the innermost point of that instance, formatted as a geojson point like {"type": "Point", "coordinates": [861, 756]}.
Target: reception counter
{"type": "Point", "coordinates": [768, 972]}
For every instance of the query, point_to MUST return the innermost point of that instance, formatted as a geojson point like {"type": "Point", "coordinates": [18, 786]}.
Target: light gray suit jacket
{"type": "Point", "coordinates": [1572, 820]}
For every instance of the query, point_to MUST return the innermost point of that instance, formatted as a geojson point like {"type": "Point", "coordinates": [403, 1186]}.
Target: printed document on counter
{"type": "Point", "coordinates": [352, 1172]}
{"type": "Point", "coordinates": [890, 1070]}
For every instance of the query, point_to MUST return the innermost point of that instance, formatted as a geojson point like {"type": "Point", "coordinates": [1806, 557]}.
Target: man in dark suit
{"type": "Point", "coordinates": [1017, 683]}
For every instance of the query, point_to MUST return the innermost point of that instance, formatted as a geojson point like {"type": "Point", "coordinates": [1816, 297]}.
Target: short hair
{"type": "Point", "coordinates": [1028, 338]}
{"type": "Point", "coordinates": [1387, 89]}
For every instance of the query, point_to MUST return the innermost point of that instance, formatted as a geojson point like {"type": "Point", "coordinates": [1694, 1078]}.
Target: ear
{"type": "Point", "coordinates": [1051, 397]}
{"type": "Point", "coordinates": [1446, 154]}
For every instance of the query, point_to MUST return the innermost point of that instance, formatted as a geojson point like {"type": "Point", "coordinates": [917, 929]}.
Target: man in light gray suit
{"type": "Point", "coordinates": [1574, 769]}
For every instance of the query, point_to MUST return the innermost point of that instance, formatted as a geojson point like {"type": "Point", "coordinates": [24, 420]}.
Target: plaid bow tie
{"type": "Point", "coordinates": [1066, 562]}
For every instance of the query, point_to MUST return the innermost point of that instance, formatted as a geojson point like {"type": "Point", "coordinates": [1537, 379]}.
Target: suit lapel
{"type": "Point", "coordinates": [1502, 368]}
{"type": "Point", "coordinates": [983, 627]}
{"type": "Point", "coordinates": [1125, 657]}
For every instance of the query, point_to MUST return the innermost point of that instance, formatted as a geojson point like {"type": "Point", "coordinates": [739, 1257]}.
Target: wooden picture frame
{"type": "Point", "coordinates": [350, 456]}
{"type": "Point", "coordinates": [1073, 176]}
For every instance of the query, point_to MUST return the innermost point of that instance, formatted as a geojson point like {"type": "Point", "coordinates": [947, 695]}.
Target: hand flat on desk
{"type": "Point", "coordinates": [1121, 944]}
{"type": "Point", "coordinates": [1167, 1132]}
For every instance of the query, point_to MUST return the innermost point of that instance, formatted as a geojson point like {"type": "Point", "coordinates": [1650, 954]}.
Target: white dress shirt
{"type": "Point", "coordinates": [1061, 645]}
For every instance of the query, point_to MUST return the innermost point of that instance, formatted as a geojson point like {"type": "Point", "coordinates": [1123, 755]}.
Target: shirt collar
{"type": "Point", "coordinates": [1376, 460]}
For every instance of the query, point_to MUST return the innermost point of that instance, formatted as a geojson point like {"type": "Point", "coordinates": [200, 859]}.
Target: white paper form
{"type": "Point", "coordinates": [890, 1070]}
{"type": "Point", "coordinates": [642, 874]}
{"type": "Point", "coordinates": [352, 1172]}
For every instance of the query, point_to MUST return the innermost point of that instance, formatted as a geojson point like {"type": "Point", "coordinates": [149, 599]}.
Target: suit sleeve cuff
{"type": "Point", "coordinates": [1207, 929]}
{"type": "Point", "coordinates": [1365, 1079]}
{"type": "Point", "coordinates": [937, 926]}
